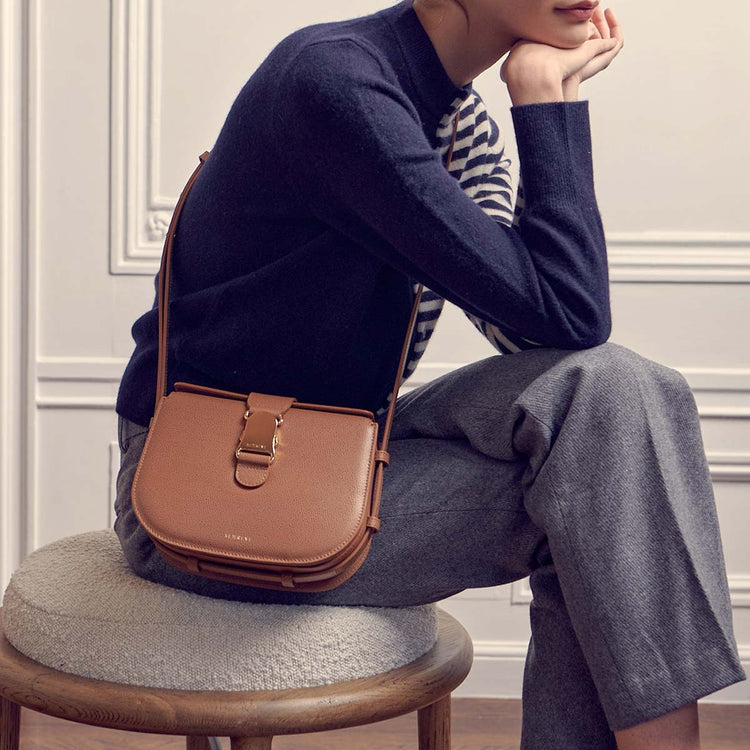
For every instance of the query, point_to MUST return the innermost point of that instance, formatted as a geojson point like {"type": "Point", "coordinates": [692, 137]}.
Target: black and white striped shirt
{"type": "Point", "coordinates": [480, 165]}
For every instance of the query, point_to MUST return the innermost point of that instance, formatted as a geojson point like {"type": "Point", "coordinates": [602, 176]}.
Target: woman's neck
{"type": "Point", "coordinates": [465, 52]}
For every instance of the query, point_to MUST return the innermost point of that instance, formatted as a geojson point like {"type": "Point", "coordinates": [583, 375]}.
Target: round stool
{"type": "Point", "coordinates": [85, 639]}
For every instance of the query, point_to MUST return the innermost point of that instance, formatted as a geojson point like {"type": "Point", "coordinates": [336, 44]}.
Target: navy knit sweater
{"type": "Point", "coordinates": [325, 199]}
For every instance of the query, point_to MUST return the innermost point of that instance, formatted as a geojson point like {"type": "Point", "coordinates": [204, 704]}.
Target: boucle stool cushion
{"type": "Point", "coordinates": [75, 605]}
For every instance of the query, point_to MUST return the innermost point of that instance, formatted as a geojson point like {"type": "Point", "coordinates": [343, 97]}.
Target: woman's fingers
{"type": "Point", "coordinates": [600, 23]}
{"type": "Point", "coordinates": [602, 61]}
{"type": "Point", "coordinates": [588, 52]}
{"type": "Point", "coordinates": [615, 29]}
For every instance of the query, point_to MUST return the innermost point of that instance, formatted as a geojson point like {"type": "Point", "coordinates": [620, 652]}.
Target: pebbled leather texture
{"type": "Point", "coordinates": [312, 516]}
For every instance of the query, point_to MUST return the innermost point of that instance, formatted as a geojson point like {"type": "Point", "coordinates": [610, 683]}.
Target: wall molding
{"type": "Point", "coordinates": [729, 467]}
{"type": "Point", "coordinates": [14, 279]}
{"type": "Point", "coordinates": [81, 369]}
{"type": "Point", "coordinates": [31, 501]}
{"type": "Point", "coordinates": [693, 257]}
{"type": "Point", "coordinates": [520, 593]}
{"type": "Point", "coordinates": [497, 672]}
{"type": "Point", "coordinates": [739, 591]}
{"type": "Point", "coordinates": [490, 649]}
{"type": "Point", "coordinates": [139, 212]}
{"type": "Point", "coordinates": [79, 402]}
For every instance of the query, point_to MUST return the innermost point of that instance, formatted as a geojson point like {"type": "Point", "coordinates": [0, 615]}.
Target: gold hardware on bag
{"type": "Point", "coordinates": [260, 435]}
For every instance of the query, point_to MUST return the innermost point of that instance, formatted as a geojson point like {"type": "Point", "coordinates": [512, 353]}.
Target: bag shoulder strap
{"type": "Point", "coordinates": [163, 297]}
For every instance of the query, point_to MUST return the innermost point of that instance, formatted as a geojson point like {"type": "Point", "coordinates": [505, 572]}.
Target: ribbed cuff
{"type": "Point", "coordinates": [554, 148]}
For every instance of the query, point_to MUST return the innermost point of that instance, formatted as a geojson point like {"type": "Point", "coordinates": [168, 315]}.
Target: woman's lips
{"type": "Point", "coordinates": [579, 14]}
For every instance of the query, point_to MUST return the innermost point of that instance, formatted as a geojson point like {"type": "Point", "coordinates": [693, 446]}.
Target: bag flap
{"type": "Point", "coordinates": [314, 503]}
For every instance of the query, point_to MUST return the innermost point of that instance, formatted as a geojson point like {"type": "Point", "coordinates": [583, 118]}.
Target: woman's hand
{"type": "Point", "coordinates": [536, 72]}
{"type": "Point", "coordinates": [604, 26]}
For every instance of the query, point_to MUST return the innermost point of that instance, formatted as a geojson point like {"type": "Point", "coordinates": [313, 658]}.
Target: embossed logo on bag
{"type": "Point", "coordinates": [237, 537]}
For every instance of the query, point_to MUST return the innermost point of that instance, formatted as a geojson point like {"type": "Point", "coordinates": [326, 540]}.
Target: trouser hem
{"type": "Point", "coordinates": [666, 693]}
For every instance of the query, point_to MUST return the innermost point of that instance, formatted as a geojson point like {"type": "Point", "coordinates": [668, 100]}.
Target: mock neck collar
{"type": "Point", "coordinates": [429, 85]}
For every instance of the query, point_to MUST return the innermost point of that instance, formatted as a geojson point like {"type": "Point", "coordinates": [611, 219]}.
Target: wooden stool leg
{"type": "Point", "coordinates": [10, 724]}
{"type": "Point", "coordinates": [434, 725]}
{"type": "Point", "coordinates": [251, 743]}
{"type": "Point", "coordinates": [197, 743]}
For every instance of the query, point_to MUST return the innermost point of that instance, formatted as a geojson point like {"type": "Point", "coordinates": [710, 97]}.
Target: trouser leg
{"type": "Point", "coordinates": [561, 706]}
{"type": "Point", "coordinates": [618, 481]}
{"type": "Point", "coordinates": [626, 499]}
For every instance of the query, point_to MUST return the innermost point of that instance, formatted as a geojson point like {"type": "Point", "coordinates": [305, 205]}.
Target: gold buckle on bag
{"type": "Point", "coordinates": [260, 435]}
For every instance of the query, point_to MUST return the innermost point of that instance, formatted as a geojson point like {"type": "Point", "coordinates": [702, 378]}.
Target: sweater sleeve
{"type": "Point", "coordinates": [501, 337]}
{"type": "Point", "coordinates": [353, 147]}
{"type": "Point", "coordinates": [486, 180]}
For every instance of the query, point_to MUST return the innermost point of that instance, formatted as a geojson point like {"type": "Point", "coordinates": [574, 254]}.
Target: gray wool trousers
{"type": "Point", "coordinates": [582, 469]}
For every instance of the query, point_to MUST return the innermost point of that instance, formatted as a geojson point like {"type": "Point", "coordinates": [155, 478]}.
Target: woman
{"type": "Point", "coordinates": [324, 203]}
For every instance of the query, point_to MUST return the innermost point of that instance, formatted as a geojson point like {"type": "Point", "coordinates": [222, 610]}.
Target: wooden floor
{"type": "Point", "coordinates": [477, 724]}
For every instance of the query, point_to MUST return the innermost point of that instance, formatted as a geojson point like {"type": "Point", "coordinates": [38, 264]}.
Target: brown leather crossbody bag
{"type": "Point", "coordinates": [259, 489]}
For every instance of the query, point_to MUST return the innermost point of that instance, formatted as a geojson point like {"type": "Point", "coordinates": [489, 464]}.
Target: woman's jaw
{"type": "Point", "coordinates": [470, 36]}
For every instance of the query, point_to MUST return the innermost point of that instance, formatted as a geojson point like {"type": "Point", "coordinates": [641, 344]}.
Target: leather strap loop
{"type": "Point", "coordinates": [257, 443]}
{"type": "Point", "coordinates": [383, 456]}
{"type": "Point", "coordinates": [278, 405]}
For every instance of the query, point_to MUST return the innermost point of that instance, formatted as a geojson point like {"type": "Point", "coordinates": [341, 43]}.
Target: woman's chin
{"type": "Point", "coordinates": [569, 40]}
{"type": "Point", "coordinates": [572, 43]}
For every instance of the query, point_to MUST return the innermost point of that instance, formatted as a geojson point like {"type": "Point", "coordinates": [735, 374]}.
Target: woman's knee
{"type": "Point", "coordinates": [610, 376]}
{"type": "Point", "coordinates": [620, 365]}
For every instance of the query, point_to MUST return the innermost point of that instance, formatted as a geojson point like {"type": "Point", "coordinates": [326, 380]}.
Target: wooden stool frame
{"type": "Point", "coordinates": [251, 718]}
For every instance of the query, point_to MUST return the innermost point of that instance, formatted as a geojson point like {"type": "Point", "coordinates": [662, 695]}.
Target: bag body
{"type": "Point", "coordinates": [301, 518]}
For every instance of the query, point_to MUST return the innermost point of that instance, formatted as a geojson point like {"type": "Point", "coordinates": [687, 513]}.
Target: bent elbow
{"type": "Point", "coordinates": [594, 334]}
{"type": "Point", "coordinates": [595, 339]}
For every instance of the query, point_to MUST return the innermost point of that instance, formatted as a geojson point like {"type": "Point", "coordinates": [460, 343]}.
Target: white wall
{"type": "Point", "coordinates": [105, 108]}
